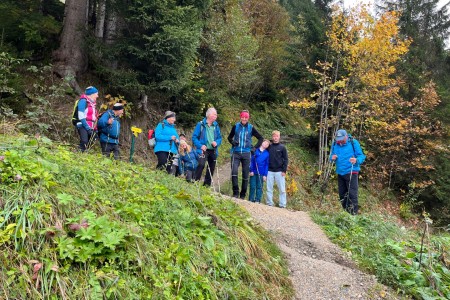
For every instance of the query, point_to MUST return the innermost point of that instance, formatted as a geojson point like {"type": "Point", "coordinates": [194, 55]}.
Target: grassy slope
{"type": "Point", "coordinates": [79, 226]}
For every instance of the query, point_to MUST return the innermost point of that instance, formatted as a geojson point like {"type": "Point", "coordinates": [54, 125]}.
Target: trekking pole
{"type": "Point", "coordinates": [324, 185]}
{"type": "Point", "coordinates": [231, 173]}
{"type": "Point", "coordinates": [349, 184]}
{"type": "Point", "coordinates": [217, 174]}
{"type": "Point", "coordinates": [210, 175]}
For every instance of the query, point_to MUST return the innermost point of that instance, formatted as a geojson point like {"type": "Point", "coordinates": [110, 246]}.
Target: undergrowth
{"type": "Point", "coordinates": [394, 254]}
{"type": "Point", "coordinates": [77, 226]}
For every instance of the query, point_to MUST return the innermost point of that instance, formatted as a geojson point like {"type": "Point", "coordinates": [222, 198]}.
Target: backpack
{"type": "Point", "coordinates": [151, 136]}
{"type": "Point", "coordinates": [75, 119]}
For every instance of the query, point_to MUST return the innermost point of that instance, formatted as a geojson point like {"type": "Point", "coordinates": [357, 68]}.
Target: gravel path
{"type": "Point", "coordinates": [318, 268]}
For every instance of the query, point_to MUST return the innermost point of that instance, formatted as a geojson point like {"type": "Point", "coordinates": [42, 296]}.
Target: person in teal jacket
{"type": "Point", "coordinates": [348, 155]}
{"type": "Point", "coordinates": [108, 127]}
{"type": "Point", "coordinates": [167, 141]}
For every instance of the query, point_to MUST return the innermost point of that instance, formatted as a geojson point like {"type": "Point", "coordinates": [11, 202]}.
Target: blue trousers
{"type": "Point", "coordinates": [256, 188]}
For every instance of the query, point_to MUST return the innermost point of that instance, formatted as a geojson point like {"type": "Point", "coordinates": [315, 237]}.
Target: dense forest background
{"type": "Point", "coordinates": [384, 77]}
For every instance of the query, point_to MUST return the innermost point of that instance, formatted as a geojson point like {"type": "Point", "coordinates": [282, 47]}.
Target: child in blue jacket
{"type": "Point", "coordinates": [188, 160]}
{"type": "Point", "coordinates": [259, 166]}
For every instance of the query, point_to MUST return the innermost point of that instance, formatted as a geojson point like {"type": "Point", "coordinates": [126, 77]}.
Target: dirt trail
{"type": "Point", "coordinates": [318, 268]}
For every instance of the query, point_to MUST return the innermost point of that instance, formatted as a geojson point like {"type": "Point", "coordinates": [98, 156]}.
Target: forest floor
{"type": "Point", "coordinates": [318, 268]}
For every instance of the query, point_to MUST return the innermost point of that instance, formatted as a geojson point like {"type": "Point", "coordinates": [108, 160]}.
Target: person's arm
{"type": "Point", "coordinates": [257, 135]}
{"type": "Point", "coordinates": [196, 136]}
{"type": "Point", "coordinates": [265, 169]}
{"type": "Point", "coordinates": [285, 159]}
{"type": "Point", "coordinates": [219, 137]}
{"type": "Point", "coordinates": [231, 135]}
{"type": "Point", "coordinates": [360, 157]}
{"type": "Point", "coordinates": [82, 105]}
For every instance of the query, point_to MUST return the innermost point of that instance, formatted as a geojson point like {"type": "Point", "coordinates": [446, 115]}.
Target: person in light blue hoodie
{"type": "Point", "coordinates": [348, 155]}
{"type": "Point", "coordinates": [167, 141]}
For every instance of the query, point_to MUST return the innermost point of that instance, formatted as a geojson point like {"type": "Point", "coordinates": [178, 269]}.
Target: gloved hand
{"type": "Point", "coordinates": [252, 151]}
{"type": "Point", "coordinates": [235, 143]}
{"type": "Point", "coordinates": [90, 131]}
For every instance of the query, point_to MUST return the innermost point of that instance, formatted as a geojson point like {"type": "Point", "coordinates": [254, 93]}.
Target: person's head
{"type": "Point", "coordinates": [244, 115]}
{"type": "Point", "coordinates": [341, 136]}
{"type": "Point", "coordinates": [118, 109]}
{"type": "Point", "coordinates": [182, 137]}
{"type": "Point", "coordinates": [184, 147]}
{"type": "Point", "coordinates": [170, 116]}
{"type": "Point", "coordinates": [211, 114]}
{"type": "Point", "coordinates": [276, 136]}
{"type": "Point", "coordinates": [265, 144]}
{"type": "Point", "coordinates": [91, 92]}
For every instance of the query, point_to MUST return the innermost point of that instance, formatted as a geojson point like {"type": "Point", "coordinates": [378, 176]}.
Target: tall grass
{"type": "Point", "coordinates": [77, 226]}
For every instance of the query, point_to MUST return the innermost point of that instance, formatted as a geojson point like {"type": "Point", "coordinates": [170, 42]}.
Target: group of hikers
{"type": "Point", "coordinates": [266, 161]}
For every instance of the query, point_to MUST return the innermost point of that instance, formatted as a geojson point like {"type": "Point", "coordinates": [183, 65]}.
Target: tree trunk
{"type": "Point", "coordinates": [70, 59]}
{"type": "Point", "coordinates": [111, 33]}
{"type": "Point", "coordinates": [100, 24]}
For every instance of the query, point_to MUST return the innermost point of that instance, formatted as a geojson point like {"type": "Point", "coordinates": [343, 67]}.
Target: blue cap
{"type": "Point", "coordinates": [90, 90]}
{"type": "Point", "coordinates": [340, 135]}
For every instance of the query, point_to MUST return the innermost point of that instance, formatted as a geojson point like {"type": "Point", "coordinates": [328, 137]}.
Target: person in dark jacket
{"type": "Point", "coordinates": [240, 138]}
{"type": "Point", "coordinates": [167, 141]}
{"type": "Point", "coordinates": [207, 140]}
{"type": "Point", "coordinates": [278, 163]}
{"type": "Point", "coordinates": [188, 160]}
{"type": "Point", "coordinates": [259, 167]}
{"type": "Point", "coordinates": [348, 155]}
{"type": "Point", "coordinates": [109, 129]}
{"type": "Point", "coordinates": [86, 117]}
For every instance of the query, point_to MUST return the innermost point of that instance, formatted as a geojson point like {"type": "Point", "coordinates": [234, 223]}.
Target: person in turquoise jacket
{"type": "Point", "coordinates": [108, 127]}
{"type": "Point", "coordinates": [167, 141]}
{"type": "Point", "coordinates": [348, 155]}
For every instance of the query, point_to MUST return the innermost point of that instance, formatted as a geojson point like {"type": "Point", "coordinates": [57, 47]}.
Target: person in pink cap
{"type": "Point", "coordinates": [240, 138]}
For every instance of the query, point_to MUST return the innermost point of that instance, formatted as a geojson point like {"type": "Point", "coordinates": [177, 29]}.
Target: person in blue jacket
{"type": "Point", "coordinates": [167, 141]}
{"type": "Point", "coordinates": [109, 129]}
{"type": "Point", "coordinates": [348, 155]}
{"type": "Point", "coordinates": [240, 138]}
{"type": "Point", "coordinates": [207, 140]}
{"type": "Point", "coordinates": [259, 167]}
{"type": "Point", "coordinates": [188, 160]}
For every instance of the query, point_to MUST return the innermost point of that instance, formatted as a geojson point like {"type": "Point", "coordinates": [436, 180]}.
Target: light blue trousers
{"type": "Point", "coordinates": [273, 177]}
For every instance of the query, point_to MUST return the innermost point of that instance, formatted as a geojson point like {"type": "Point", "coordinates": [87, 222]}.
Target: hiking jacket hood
{"type": "Point", "coordinates": [344, 153]}
{"type": "Point", "coordinates": [199, 136]}
{"type": "Point", "coordinates": [163, 137]}
{"type": "Point", "coordinates": [109, 133]}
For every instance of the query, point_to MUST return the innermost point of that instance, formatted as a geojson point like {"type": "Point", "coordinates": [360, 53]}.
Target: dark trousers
{"type": "Point", "coordinates": [349, 197]}
{"type": "Point", "coordinates": [86, 139]}
{"type": "Point", "coordinates": [107, 148]}
{"type": "Point", "coordinates": [238, 158]}
{"type": "Point", "coordinates": [165, 161]}
{"type": "Point", "coordinates": [209, 156]}
{"type": "Point", "coordinates": [189, 175]}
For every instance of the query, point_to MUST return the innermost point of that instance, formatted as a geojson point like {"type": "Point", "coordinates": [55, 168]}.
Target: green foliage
{"type": "Point", "coordinates": [393, 254]}
{"type": "Point", "coordinates": [30, 28]}
{"type": "Point", "coordinates": [157, 48]}
{"type": "Point", "coordinates": [119, 231]}
{"type": "Point", "coordinates": [230, 51]}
